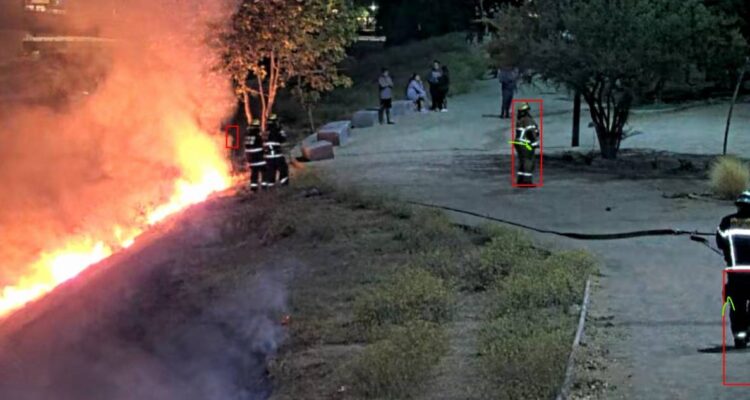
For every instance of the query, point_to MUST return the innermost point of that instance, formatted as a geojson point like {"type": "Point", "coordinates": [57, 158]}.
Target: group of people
{"type": "Point", "coordinates": [264, 155]}
{"type": "Point", "coordinates": [439, 83]}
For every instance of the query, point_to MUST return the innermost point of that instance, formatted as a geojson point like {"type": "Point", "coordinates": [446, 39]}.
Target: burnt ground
{"type": "Point", "coordinates": [191, 311]}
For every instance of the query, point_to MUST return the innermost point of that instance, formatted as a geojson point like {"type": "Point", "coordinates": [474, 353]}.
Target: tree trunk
{"type": "Point", "coordinates": [248, 110]}
{"type": "Point", "coordinates": [608, 144]}
{"type": "Point", "coordinates": [311, 119]}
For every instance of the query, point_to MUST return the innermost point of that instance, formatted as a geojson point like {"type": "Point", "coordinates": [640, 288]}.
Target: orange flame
{"type": "Point", "coordinates": [203, 170]}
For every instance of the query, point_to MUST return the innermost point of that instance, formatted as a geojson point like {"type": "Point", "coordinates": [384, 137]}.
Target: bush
{"type": "Point", "coordinates": [523, 355]}
{"type": "Point", "coordinates": [394, 367]}
{"type": "Point", "coordinates": [729, 176]}
{"type": "Point", "coordinates": [507, 250]}
{"type": "Point", "coordinates": [557, 281]}
{"type": "Point", "coordinates": [408, 295]}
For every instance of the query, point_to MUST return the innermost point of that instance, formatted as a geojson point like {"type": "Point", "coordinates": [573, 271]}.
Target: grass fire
{"type": "Point", "coordinates": [136, 140]}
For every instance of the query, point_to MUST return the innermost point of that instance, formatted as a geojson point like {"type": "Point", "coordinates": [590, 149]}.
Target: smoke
{"type": "Point", "coordinates": [219, 352]}
{"type": "Point", "coordinates": [78, 171]}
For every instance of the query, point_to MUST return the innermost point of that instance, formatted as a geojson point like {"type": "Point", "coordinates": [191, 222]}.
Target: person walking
{"type": "Point", "coordinates": [733, 238]}
{"type": "Point", "coordinates": [385, 85]}
{"type": "Point", "coordinates": [416, 93]}
{"type": "Point", "coordinates": [444, 87]}
{"type": "Point", "coordinates": [254, 155]}
{"type": "Point", "coordinates": [525, 144]}
{"type": "Point", "coordinates": [433, 78]}
{"type": "Point", "coordinates": [275, 160]}
{"type": "Point", "coordinates": [508, 78]}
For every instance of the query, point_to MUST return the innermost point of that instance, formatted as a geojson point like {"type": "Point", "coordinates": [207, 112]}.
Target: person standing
{"type": "Point", "coordinates": [254, 155]}
{"type": "Point", "coordinates": [508, 78]}
{"type": "Point", "coordinates": [525, 144]}
{"type": "Point", "coordinates": [733, 238]}
{"type": "Point", "coordinates": [416, 93]}
{"type": "Point", "coordinates": [444, 87]}
{"type": "Point", "coordinates": [433, 78]}
{"type": "Point", "coordinates": [275, 160]}
{"type": "Point", "coordinates": [385, 84]}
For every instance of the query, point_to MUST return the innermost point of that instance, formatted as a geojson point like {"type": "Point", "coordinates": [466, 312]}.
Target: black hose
{"type": "Point", "coordinates": [574, 235]}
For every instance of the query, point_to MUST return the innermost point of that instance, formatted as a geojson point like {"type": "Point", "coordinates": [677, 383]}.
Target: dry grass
{"type": "Point", "coordinates": [402, 273]}
{"type": "Point", "coordinates": [729, 177]}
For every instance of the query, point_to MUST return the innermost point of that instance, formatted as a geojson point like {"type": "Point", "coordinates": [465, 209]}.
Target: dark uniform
{"type": "Point", "coordinates": [733, 238]}
{"type": "Point", "coordinates": [275, 160]}
{"type": "Point", "coordinates": [527, 133]}
{"type": "Point", "coordinates": [254, 155]}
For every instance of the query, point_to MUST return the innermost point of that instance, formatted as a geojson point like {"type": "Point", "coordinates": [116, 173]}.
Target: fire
{"type": "Point", "coordinates": [203, 171]}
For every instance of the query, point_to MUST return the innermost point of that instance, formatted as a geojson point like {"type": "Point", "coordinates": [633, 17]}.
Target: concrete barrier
{"type": "Point", "coordinates": [317, 151]}
{"type": "Point", "coordinates": [402, 107]}
{"type": "Point", "coordinates": [335, 132]}
{"type": "Point", "coordinates": [364, 118]}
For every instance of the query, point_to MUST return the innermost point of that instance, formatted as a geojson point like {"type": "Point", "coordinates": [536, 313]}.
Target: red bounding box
{"type": "Point", "coordinates": [232, 138]}
{"type": "Point", "coordinates": [541, 141]}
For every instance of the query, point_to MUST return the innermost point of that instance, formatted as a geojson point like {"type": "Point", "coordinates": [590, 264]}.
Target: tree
{"type": "Point", "coordinates": [611, 51]}
{"type": "Point", "coordinates": [273, 43]}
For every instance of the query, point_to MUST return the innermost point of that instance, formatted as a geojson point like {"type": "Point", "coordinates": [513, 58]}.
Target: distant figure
{"type": "Point", "coordinates": [433, 78]}
{"type": "Point", "coordinates": [385, 84]}
{"type": "Point", "coordinates": [416, 93]}
{"type": "Point", "coordinates": [508, 78]}
{"type": "Point", "coordinates": [444, 87]}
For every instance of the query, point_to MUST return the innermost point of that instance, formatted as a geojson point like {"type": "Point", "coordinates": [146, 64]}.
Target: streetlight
{"type": "Point", "coordinates": [373, 7]}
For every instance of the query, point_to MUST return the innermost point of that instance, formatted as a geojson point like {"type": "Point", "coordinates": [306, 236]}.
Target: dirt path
{"type": "Point", "coordinates": [457, 376]}
{"type": "Point", "coordinates": [663, 294]}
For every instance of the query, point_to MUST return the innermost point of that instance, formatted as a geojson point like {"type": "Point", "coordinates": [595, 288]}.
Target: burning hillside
{"type": "Point", "coordinates": [83, 183]}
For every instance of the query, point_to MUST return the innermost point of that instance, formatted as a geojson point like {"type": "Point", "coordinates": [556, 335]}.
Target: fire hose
{"type": "Point", "coordinates": [695, 236]}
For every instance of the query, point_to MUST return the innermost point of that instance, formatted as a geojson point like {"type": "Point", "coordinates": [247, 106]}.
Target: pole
{"type": "Point", "coordinates": [731, 107]}
{"type": "Point", "coordinates": [576, 119]}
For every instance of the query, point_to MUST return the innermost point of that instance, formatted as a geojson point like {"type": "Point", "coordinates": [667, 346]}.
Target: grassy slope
{"type": "Point", "coordinates": [466, 65]}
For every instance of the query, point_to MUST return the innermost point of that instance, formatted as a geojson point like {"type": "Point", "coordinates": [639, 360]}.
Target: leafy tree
{"type": "Point", "coordinates": [611, 51]}
{"type": "Point", "coordinates": [273, 43]}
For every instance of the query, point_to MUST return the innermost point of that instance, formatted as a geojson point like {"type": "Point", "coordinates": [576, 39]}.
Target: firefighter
{"type": "Point", "coordinates": [526, 142]}
{"type": "Point", "coordinates": [254, 155]}
{"type": "Point", "coordinates": [733, 238]}
{"type": "Point", "coordinates": [275, 160]}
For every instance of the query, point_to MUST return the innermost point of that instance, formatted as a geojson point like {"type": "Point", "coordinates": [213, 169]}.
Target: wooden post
{"type": "Point", "coordinates": [576, 119]}
{"type": "Point", "coordinates": [731, 107]}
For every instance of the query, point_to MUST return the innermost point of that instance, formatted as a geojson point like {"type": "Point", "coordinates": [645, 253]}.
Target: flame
{"type": "Point", "coordinates": [203, 171]}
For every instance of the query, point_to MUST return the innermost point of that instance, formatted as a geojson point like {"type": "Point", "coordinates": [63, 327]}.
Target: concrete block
{"type": "Point", "coordinates": [335, 132]}
{"type": "Point", "coordinates": [317, 151]}
{"type": "Point", "coordinates": [402, 107]}
{"type": "Point", "coordinates": [364, 118]}
{"type": "Point", "coordinates": [310, 139]}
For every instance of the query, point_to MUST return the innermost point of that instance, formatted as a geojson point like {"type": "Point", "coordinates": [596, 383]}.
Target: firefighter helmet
{"type": "Point", "coordinates": [524, 107]}
{"type": "Point", "coordinates": [743, 200]}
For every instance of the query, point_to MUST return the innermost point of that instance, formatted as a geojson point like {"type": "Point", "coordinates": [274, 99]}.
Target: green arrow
{"type": "Point", "coordinates": [528, 146]}
{"type": "Point", "coordinates": [724, 307]}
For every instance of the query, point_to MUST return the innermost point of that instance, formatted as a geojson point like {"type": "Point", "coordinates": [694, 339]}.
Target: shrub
{"type": "Point", "coordinates": [407, 295]}
{"type": "Point", "coordinates": [729, 176]}
{"type": "Point", "coordinates": [523, 355]}
{"type": "Point", "coordinates": [558, 281]}
{"type": "Point", "coordinates": [507, 250]}
{"type": "Point", "coordinates": [394, 367]}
